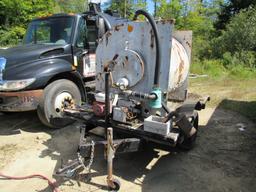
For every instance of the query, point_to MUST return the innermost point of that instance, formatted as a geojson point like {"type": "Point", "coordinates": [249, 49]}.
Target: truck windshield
{"type": "Point", "coordinates": [56, 31]}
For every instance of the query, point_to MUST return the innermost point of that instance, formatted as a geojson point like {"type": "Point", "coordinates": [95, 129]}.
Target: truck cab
{"type": "Point", "coordinates": [49, 71]}
{"type": "Point", "coordinates": [72, 36]}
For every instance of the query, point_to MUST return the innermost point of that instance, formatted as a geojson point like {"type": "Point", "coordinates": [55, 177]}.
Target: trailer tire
{"type": "Point", "coordinates": [56, 96]}
{"type": "Point", "coordinates": [188, 143]}
{"type": "Point", "coordinates": [116, 187]}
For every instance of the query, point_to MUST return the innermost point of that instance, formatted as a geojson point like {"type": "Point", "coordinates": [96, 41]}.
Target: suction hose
{"type": "Point", "coordinates": [158, 49]}
{"type": "Point", "coordinates": [97, 10]}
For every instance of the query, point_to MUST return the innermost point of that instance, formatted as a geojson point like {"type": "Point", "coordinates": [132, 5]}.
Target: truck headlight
{"type": "Point", "coordinates": [15, 85]}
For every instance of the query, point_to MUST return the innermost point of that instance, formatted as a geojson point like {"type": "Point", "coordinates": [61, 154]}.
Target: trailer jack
{"type": "Point", "coordinates": [113, 183]}
{"type": "Point", "coordinates": [87, 150]}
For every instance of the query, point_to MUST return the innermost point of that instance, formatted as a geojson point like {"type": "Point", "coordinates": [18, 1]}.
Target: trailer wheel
{"type": "Point", "coordinates": [187, 143]}
{"type": "Point", "coordinates": [116, 184]}
{"type": "Point", "coordinates": [58, 95]}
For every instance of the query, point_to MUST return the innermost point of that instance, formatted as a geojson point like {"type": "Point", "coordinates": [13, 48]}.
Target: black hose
{"type": "Point", "coordinates": [94, 8]}
{"type": "Point", "coordinates": [157, 40]}
{"type": "Point", "coordinates": [151, 96]}
{"type": "Point", "coordinates": [144, 95]}
{"type": "Point", "coordinates": [165, 107]}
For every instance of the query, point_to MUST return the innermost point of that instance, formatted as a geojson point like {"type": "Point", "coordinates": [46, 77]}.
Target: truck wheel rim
{"type": "Point", "coordinates": [62, 101]}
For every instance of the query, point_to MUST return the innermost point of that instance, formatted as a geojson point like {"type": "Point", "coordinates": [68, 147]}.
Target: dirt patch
{"type": "Point", "coordinates": [7, 152]}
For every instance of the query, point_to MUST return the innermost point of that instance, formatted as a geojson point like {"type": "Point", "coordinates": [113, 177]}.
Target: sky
{"type": "Point", "coordinates": [151, 6]}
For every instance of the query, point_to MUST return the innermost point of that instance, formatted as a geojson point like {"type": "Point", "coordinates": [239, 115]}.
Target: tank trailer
{"type": "Point", "coordinates": [140, 67]}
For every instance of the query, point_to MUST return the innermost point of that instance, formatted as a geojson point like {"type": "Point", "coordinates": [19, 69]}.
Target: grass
{"type": "Point", "coordinates": [215, 70]}
{"type": "Point", "coordinates": [233, 89]}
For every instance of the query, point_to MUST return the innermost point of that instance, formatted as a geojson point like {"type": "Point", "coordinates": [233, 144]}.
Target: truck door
{"type": "Point", "coordinates": [84, 53]}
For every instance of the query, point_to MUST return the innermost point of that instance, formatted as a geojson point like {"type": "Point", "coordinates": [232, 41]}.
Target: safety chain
{"type": "Point", "coordinates": [80, 158]}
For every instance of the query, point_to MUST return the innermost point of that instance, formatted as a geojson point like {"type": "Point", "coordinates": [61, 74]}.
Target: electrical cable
{"type": "Point", "coordinates": [50, 182]}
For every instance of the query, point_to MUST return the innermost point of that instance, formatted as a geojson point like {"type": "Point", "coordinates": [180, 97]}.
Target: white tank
{"type": "Point", "coordinates": [180, 63]}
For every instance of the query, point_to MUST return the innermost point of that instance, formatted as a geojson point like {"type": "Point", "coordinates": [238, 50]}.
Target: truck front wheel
{"type": "Point", "coordinates": [58, 95]}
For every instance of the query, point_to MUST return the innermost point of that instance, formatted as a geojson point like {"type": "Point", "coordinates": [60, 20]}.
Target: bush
{"type": "Point", "coordinates": [233, 53]}
{"type": "Point", "coordinates": [241, 72]}
{"type": "Point", "coordinates": [242, 58]}
{"type": "Point", "coordinates": [239, 37]}
{"type": "Point", "coordinates": [11, 36]}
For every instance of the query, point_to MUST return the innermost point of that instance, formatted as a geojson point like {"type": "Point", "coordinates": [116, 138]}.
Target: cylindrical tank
{"type": "Point", "coordinates": [179, 65]}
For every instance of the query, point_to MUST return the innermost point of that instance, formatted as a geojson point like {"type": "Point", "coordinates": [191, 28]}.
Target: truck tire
{"type": "Point", "coordinates": [57, 95]}
{"type": "Point", "coordinates": [188, 143]}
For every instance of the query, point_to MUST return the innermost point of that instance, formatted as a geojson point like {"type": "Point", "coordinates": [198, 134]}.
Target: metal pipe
{"type": "Point", "coordinates": [157, 40]}
{"type": "Point", "coordinates": [110, 156]}
{"type": "Point", "coordinates": [141, 95]}
{"type": "Point", "coordinates": [107, 97]}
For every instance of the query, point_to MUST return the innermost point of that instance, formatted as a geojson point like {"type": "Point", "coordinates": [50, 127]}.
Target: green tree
{"type": "Point", "coordinates": [230, 9]}
{"type": "Point", "coordinates": [18, 12]}
{"type": "Point", "coordinates": [127, 8]}
{"type": "Point", "coordinates": [195, 15]}
{"type": "Point", "coordinates": [237, 42]}
{"type": "Point", "coordinates": [15, 14]}
{"type": "Point", "coordinates": [71, 6]}
{"type": "Point", "coordinates": [169, 10]}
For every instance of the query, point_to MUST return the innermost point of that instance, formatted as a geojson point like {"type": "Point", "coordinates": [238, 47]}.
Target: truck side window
{"type": "Point", "coordinates": [92, 35]}
{"type": "Point", "coordinates": [81, 35]}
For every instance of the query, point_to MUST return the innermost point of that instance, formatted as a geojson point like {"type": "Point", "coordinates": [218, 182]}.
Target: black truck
{"type": "Point", "coordinates": [48, 71]}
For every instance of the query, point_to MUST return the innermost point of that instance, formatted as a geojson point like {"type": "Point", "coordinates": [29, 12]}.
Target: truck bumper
{"type": "Point", "coordinates": [20, 101]}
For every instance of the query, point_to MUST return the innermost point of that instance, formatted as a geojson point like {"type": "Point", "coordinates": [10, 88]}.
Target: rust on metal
{"type": "Point", "coordinates": [106, 66]}
{"type": "Point", "coordinates": [108, 34]}
{"type": "Point", "coordinates": [99, 77]}
{"type": "Point", "coordinates": [110, 64]}
{"type": "Point", "coordinates": [118, 27]}
{"type": "Point", "coordinates": [20, 101]}
{"type": "Point", "coordinates": [180, 71]}
{"type": "Point", "coordinates": [190, 46]}
{"type": "Point", "coordinates": [126, 60]}
{"type": "Point", "coordinates": [110, 157]}
{"type": "Point", "coordinates": [179, 64]}
{"type": "Point", "coordinates": [115, 57]}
